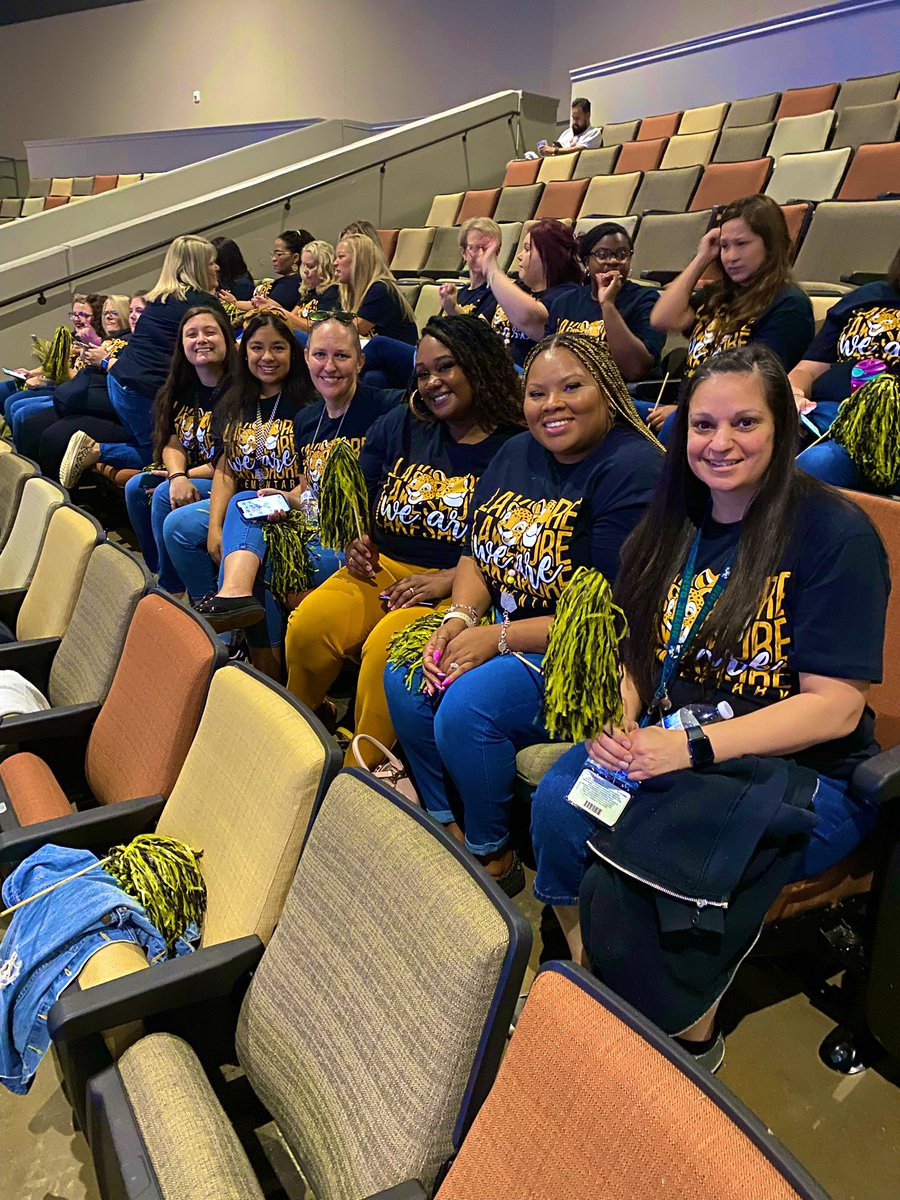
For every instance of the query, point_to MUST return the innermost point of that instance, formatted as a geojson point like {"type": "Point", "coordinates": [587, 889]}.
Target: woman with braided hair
{"type": "Point", "coordinates": [564, 495]}
{"type": "Point", "coordinates": [421, 463]}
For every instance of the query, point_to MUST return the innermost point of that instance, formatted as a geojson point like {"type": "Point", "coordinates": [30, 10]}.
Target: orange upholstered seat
{"type": "Point", "coordinates": [32, 789]}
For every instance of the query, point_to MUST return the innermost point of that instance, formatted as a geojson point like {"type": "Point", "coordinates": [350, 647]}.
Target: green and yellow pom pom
{"type": "Point", "coordinates": [164, 876]}
{"type": "Point", "coordinates": [56, 354]}
{"type": "Point", "coordinates": [581, 667]}
{"type": "Point", "coordinates": [287, 546]}
{"type": "Point", "coordinates": [408, 645]}
{"type": "Point", "coordinates": [343, 498]}
{"type": "Point", "coordinates": [867, 425]}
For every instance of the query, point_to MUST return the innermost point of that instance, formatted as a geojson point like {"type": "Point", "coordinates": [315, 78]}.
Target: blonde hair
{"type": "Point", "coordinates": [121, 306]}
{"type": "Point", "coordinates": [480, 225]}
{"type": "Point", "coordinates": [369, 267]}
{"type": "Point", "coordinates": [185, 267]}
{"type": "Point", "coordinates": [323, 253]}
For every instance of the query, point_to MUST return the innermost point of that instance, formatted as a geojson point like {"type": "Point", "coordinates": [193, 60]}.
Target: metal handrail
{"type": "Point", "coordinates": [286, 200]}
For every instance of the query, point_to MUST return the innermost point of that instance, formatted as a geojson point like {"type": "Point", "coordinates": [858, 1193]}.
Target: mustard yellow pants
{"type": "Point", "coordinates": [342, 618]}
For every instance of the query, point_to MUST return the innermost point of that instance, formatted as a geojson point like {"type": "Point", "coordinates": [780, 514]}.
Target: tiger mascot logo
{"type": "Point", "coordinates": [434, 487]}
{"type": "Point", "coordinates": [521, 524]}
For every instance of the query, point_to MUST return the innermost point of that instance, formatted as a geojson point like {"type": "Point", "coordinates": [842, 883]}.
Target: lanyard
{"type": "Point", "coordinates": [680, 637]}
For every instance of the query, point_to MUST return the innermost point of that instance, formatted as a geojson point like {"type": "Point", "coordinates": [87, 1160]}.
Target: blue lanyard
{"type": "Point", "coordinates": [681, 638]}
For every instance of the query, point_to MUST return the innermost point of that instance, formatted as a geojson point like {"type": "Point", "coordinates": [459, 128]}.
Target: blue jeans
{"type": "Point", "coordinates": [147, 512]}
{"type": "Point", "coordinates": [389, 363]}
{"type": "Point", "coordinates": [560, 832]}
{"type": "Point", "coordinates": [644, 408]}
{"type": "Point", "coordinates": [240, 534]}
{"type": "Point", "coordinates": [18, 408]}
{"type": "Point", "coordinates": [832, 464]}
{"type": "Point", "coordinates": [184, 534]}
{"type": "Point", "coordinates": [8, 389]}
{"type": "Point", "coordinates": [134, 410]}
{"type": "Point", "coordinates": [468, 738]}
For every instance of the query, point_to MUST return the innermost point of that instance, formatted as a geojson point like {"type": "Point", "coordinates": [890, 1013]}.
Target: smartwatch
{"type": "Point", "coordinates": [699, 748]}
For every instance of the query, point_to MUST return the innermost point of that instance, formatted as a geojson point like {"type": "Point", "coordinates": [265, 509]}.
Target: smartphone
{"type": "Point", "coordinates": [14, 374]}
{"type": "Point", "coordinates": [260, 507]}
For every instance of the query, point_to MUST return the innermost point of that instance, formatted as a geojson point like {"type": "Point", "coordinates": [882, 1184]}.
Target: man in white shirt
{"type": "Point", "coordinates": [580, 136]}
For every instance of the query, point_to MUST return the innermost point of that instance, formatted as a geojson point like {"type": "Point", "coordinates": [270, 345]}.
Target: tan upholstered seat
{"type": "Point", "coordinates": [18, 558]}
{"type": "Point", "coordinates": [68, 544]}
{"type": "Point", "coordinates": [690, 149]}
{"type": "Point", "coordinates": [444, 209]}
{"type": "Point", "coordinates": [445, 256]}
{"type": "Point", "coordinates": [629, 224]}
{"type": "Point", "coordinates": [428, 305]}
{"type": "Point", "coordinates": [701, 120]}
{"type": "Point", "coordinates": [127, 180]}
{"type": "Point", "coordinates": [808, 176]}
{"type": "Point", "coordinates": [411, 254]}
{"type": "Point", "coordinates": [511, 232]}
{"type": "Point", "coordinates": [802, 135]}
{"type": "Point", "coordinates": [61, 186]}
{"type": "Point", "coordinates": [556, 167]}
{"type": "Point", "coordinates": [32, 205]}
{"type": "Point", "coordinates": [14, 471]}
{"type": "Point", "coordinates": [842, 238]}
{"type": "Point", "coordinates": [610, 195]}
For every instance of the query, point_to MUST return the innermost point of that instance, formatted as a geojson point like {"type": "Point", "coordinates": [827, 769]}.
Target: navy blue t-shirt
{"type": "Point", "coordinates": [314, 430]}
{"type": "Point", "coordinates": [518, 343]}
{"type": "Point", "coordinates": [327, 301]}
{"type": "Point", "coordinates": [421, 483]}
{"type": "Point", "coordinates": [285, 290]}
{"type": "Point", "coordinates": [577, 311]}
{"type": "Point", "coordinates": [382, 308]}
{"type": "Point", "coordinates": [278, 463]}
{"type": "Point", "coordinates": [241, 288]}
{"type": "Point", "coordinates": [823, 613]}
{"type": "Point", "coordinates": [786, 327]}
{"type": "Point", "coordinates": [192, 423]}
{"type": "Point", "coordinates": [863, 324]}
{"type": "Point", "coordinates": [536, 520]}
{"type": "Point", "coordinates": [144, 363]}
{"type": "Point", "coordinates": [476, 302]}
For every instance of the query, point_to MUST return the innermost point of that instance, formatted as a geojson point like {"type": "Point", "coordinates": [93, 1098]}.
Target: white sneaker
{"type": "Point", "coordinates": [74, 462]}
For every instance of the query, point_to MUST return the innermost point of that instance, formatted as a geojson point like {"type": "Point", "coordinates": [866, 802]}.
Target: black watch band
{"type": "Point", "coordinates": [699, 748]}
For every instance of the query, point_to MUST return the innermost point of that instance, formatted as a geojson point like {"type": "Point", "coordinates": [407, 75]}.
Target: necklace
{"type": "Point", "coordinates": [262, 436]}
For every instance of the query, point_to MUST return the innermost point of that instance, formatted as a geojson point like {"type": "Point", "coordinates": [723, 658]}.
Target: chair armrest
{"type": "Point", "coordinates": [32, 659]}
{"type": "Point", "coordinates": [208, 973]}
{"type": "Point", "coordinates": [10, 603]}
{"type": "Point", "coordinates": [858, 278]}
{"type": "Point", "coordinates": [70, 721]}
{"type": "Point", "coordinates": [410, 1190]}
{"type": "Point", "coordinates": [660, 277]}
{"type": "Point", "coordinates": [95, 829]}
{"type": "Point", "coordinates": [877, 780]}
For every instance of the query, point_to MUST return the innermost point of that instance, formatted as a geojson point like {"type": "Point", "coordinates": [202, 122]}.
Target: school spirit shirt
{"type": "Point", "coordinates": [192, 423]}
{"type": "Point", "coordinates": [314, 430]}
{"type": "Point", "coordinates": [786, 327]}
{"type": "Point", "coordinates": [381, 307]}
{"type": "Point", "coordinates": [536, 520]}
{"type": "Point", "coordinates": [518, 343]}
{"type": "Point", "coordinates": [327, 301]}
{"type": "Point", "coordinates": [578, 311]}
{"type": "Point", "coordinates": [863, 324]}
{"type": "Point", "coordinates": [277, 463]}
{"type": "Point", "coordinates": [421, 483]}
{"type": "Point", "coordinates": [476, 302]}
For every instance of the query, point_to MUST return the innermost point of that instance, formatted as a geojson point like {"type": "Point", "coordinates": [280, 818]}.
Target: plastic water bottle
{"type": "Point", "coordinates": [698, 714]}
{"type": "Point", "coordinates": [309, 506]}
{"type": "Point", "coordinates": [865, 371]}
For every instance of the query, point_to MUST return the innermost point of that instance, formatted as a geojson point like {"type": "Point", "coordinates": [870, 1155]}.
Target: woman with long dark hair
{"type": "Point", "coordinates": [421, 462]}
{"type": "Point", "coordinates": [183, 442]}
{"type": "Point", "coordinates": [563, 495]}
{"type": "Point", "coordinates": [234, 274]}
{"type": "Point", "coordinates": [754, 297]}
{"type": "Point", "coordinates": [740, 587]}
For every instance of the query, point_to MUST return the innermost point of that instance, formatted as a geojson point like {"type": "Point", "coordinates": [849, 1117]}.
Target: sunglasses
{"type": "Point", "coordinates": [332, 314]}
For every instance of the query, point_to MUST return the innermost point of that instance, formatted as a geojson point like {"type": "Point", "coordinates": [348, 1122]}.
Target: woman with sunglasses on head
{"type": "Point", "coordinates": [345, 408]}
{"type": "Point", "coordinates": [740, 586]}
{"type": "Point", "coordinates": [183, 412]}
{"type": "Point", "coordinates": [549, 268]}
{"type": "Point", "coordinates": [421, 463]}
{"type": "Point", "coordinates": [563, 495]}
{"type": "Point", "coordinates": [753, 299]}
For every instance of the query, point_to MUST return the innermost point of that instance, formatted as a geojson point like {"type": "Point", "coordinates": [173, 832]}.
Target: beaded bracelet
{"type": "Point", "coordinates": [502, 646]}
{"type": "Point", "coordinates": [177, 475]}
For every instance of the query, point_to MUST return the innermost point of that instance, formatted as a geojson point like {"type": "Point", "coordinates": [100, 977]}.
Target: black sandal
{"type": "Point", "coordinates": [230, 612]}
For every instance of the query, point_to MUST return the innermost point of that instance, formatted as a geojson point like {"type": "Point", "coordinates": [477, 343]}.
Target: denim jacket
{"type": "Point", "coordinates": [50, 940]}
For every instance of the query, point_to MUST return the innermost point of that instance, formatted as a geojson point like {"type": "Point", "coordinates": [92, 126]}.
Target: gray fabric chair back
{"type": "Point", "coordinates": [743, 143]}
{"type": "Point", "coordinates": [666, 191]}
{"type": "Point", "coordinates": [867, 124]}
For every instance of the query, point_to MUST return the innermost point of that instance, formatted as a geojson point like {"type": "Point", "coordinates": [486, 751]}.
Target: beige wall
{"type": "Point", "coordinates": [133, 67]}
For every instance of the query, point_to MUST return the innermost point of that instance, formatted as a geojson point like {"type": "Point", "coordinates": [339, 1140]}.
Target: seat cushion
{"type": "Point", "coordinates": [190, 1142]}
{"type": "Point", "coordinates": [844, 879]}
{"type": "Point", "coordinates": [33, 790]}
{"type": "Point", "coordinates": [533, 763]}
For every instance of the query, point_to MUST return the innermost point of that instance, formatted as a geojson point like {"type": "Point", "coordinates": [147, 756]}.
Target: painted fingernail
{"type": "Point", "coordinates": [436, 657]}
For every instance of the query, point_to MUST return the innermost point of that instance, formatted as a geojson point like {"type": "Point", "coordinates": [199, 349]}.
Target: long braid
{"type": "Point", "coordinates": [485, 362]}
{"type": "Point", "coordinates": [596, 358]}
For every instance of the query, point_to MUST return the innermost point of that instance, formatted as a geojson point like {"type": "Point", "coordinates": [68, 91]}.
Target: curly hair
{"type": "Point", "coordinates": [180, 387]}
{"type": "Point", "coordinates": [596, 359]}
{"type": "Point", "coordinates": [485, 362]}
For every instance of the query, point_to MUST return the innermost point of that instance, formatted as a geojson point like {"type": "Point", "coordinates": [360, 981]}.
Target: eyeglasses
{"type": "Point", "coordinates": [332, 314]}
{"type": "Point", "coordinates": [609, 255]}
{"type": "Point", "coordinates": [79, 316]}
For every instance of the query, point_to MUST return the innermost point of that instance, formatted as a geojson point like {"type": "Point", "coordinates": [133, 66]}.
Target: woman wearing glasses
{"type": "Point", "coordinates": [609, 306]}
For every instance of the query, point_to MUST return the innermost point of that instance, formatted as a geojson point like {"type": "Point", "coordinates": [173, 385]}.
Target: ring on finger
{"type": "Point", "coordinates": [454, 666]}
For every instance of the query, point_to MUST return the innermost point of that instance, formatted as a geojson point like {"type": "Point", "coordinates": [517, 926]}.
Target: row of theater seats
{"type": "Point", "coordinates": [141, 737]}
{"type": "Point", "coordinates": [44, 194]}
{"type": "Point", "coordinates": [832, 240]}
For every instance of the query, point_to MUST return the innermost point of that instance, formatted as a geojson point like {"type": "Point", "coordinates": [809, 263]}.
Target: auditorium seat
{"type": "Point", "coordinates": [55, 201]}
{"type": "Point", "coordinates": [518, 203]}
{"type": "Point", "coordinates": [690, 149]}
{"type": "Point", "coordinates": [665, 126]}
{"type": "Point", "coordinates": [755, 110]}
{"type": "Point", "coordinates": [562, 200]}
{"type": "Point", "coordinates": [409, 289]}
{"type": "Point", "coordinates": [596, 162]}
{"type": "Point", "coordinates": [640, 156]}
{"type": "Point", "coordinates": [411, 254]}
{"type": "Point", "coordinates": [521, 171]}
{"type": "Point", "coordinates": [428, 305]}
{"type": "Point", "coordinates": [800, 102]}
{"type": "Point", "coordinates": [666, 191]}
{"type": "Point", "coordinates": [10, 208]}
{"type": "Point", "coordinates": [478, 204]}
{"type": "Point", "coordinates": [629, 223]}
{"type": "Point", "coordinates": [743, 143]}
{"type": "Point", "coordinates": [511, 232]}
{"type": "Point", "coordinates": [32, 205]}
{"type": "Point", "coordinates": [557, 167]}
{"type": "Point", "coordinates": [445, 256]}
{"type": "Point", "coordinates": [38, 187]}
{"type": "Point", "coordinates": [867, 123]}
{"type": "Point", "coordinates": [128, 180]}
{"type": "Point", "coordinates": [82, 185]}
{"type": "Point", "coordinates": [444, 209]}
{"type": "Point", "coordinates": [668, 241]}
{"type": "Point", "coordinates": [62, 186]}
{"type": "Point", "coordinates": [621, 131]}
{"type": "Point", "coordinates": [868, 89]}
{"type": "Point", "coordinates": [388, 239]}
{"type": "Point", "coordinates": [848, 236]}
{"type": "Point", "coordinates": [702, 120]}
{"type": "Point", "coordinates": [104, 183]}
{"type": "Point", "coordinates": [875, 171]}
{"type": "Point", "coordinates": [610, 194]}
{"type": "Point", "coordinates": [797, 217]}
{"type": "Point", "coordinates": [808, 176]}
{"type": "Point", "coordinates": [724, 182]}
{"type": "Point", "coordinates": [802, 135]}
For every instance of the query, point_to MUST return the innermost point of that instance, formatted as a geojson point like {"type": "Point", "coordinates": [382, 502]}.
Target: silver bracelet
{"type": "Point", "coordinates": [502, 647]}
